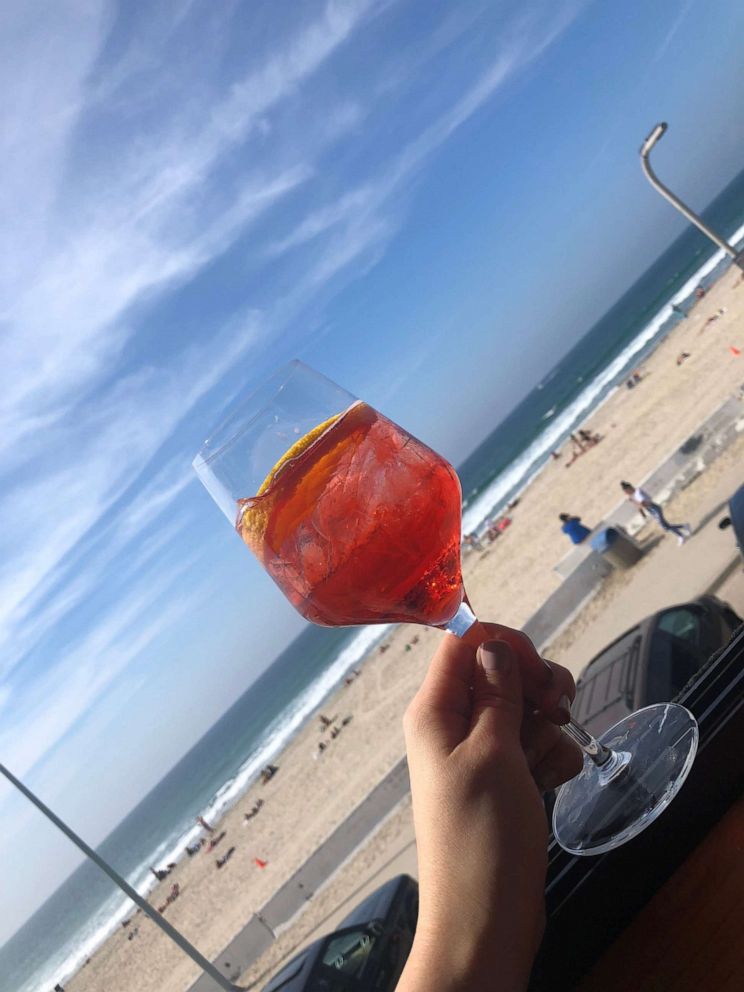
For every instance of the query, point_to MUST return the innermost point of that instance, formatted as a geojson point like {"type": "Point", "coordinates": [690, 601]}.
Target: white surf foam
{"type": "Point", "coordinates": [523, 469]}
{"type": "Point", "coordinates": [512, 481]}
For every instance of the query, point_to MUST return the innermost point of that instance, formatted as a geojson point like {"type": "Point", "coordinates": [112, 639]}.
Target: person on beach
{"type": "Point", "coordinates": [578, 446]}
{"type": "Point", "coordinates": [254, 811]}
{"type": "Point", "coordinates": [573, 528]}
{"type": "Point", "coordinates": [479, 761]}
{"type": "Point", "coordinates": [590, 439]}
{"type": "Point", "coordinates": [647, 506]}
{"type": "Point", "coordinates": [472, 541]}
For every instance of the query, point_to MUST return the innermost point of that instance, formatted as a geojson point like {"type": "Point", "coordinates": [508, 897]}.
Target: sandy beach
{"type": "Point", "coordinates": [312, 793]}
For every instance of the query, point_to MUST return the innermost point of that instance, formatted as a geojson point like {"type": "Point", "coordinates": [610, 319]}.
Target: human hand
{"type": "Point", "coordinates": [479, 759]}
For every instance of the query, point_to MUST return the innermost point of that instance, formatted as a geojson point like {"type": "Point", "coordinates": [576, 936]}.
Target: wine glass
{"type": "Point", "coordinates": [358, 522]}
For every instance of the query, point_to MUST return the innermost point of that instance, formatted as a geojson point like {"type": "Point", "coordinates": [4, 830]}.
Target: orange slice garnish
{"type": "Point", "coordinates": [253, 518]}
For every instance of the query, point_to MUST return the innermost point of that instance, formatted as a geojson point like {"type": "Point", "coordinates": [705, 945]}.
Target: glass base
{"type": "Point", "coordinates": [607, 805]}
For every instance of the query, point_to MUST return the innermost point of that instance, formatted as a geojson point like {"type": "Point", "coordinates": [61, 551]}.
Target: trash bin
{"type": "Point", "coordinates": [617, 547]}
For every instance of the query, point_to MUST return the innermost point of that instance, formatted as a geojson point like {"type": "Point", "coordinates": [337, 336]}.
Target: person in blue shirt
{"type": "Point", "coordinates": [574, 528]}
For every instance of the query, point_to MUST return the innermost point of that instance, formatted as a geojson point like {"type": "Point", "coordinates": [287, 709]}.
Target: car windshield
{"type": "Point", "coordinates": [691, 624]}
{"type": "Point", "coordinates": [680, 644]}
{"type": "Point", "coordinates": [344, 959]}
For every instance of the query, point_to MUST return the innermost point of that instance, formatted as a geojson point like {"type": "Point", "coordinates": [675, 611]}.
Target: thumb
{"type": "Point", "coordinates": [497, 693]}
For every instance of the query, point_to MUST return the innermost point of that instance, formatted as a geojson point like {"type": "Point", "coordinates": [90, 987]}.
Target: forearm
{"type": "Point", "coordinates": [481, 830]}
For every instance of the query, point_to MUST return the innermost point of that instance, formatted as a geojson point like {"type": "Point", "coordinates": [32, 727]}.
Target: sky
{"type": "Point", "coordinates": [429, 202]}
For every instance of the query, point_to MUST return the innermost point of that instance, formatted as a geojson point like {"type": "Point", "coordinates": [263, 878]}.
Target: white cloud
{"type": "Point", "coordinates": [87, 285]}
{"type": "Point", "coordinates": [326, 217]}
{"type": "Point", "coordinates": [55, 699]}
{"type": "Point", "coordinates": [47, 517]}
{"type": "Point", "coordinates": [669, 36]}
{"type": "Point", "coordinates": [147, 226]}
{"type": "Point", "coordinates": [42, 79]}
{"type": "Point", "coordinates": [86, 288]}
{"type": "Point", "coordinates": [358, 223]}
{"type": "Point", "coordinates": [153, 220]}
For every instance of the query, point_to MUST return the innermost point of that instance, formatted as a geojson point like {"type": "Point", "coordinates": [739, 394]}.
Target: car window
{"type": "Point", "coordinates": [691, 624]}
{"type": "Point", "coordinates": [673, 661]}
{"type": "Point", "coordinates": [683, 622]}
{"type": "Point", "coordinates": [349, 952]}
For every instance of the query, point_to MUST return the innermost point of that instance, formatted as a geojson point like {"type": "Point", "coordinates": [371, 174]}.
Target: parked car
{"type": "Point", "coordinates": [651, 662]}
{"type": "Point", "coordinates": [368, 950]}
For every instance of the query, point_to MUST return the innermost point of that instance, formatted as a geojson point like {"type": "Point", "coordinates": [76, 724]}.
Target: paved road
{"type": "Point", "coordinates": [288, 900]}
{"type": "Point", "coordinates": [708, 563]}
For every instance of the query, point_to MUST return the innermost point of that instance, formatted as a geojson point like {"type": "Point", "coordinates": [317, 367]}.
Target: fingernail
{"type": "Point", "coordinates": [495, 656]}
{"type": "Point", "coordinates": [564, 703]}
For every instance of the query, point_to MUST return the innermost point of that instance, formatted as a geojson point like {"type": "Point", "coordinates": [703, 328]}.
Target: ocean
{"type": "Point", "coordinates": [211, 777]}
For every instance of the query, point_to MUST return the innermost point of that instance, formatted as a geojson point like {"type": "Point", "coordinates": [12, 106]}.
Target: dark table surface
{"type": "Point", "coordinates": [590, 901]}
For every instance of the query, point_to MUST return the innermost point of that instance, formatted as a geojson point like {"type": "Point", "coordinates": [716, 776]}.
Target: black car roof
{"type": "Point", "coordinates": [641, 628]}
{"type": "Point", "coordinates": [294, 975]}
{"type": "Point", "coordinates": [607, 689]}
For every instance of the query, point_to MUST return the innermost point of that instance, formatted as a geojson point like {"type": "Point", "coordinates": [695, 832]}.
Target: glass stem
{"type": "Point", "coordinates": [464, 624]}
{"type": "Point", "coordinates": [461, 623]}
{"type": "Point", "coordinates": [591, 747]}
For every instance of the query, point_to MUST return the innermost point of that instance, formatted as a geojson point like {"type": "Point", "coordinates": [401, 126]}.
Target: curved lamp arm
{"type": "Point", "coordinates": [645, 150]}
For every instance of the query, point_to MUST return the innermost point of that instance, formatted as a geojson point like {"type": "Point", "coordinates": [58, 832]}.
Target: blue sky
{"type": "Point", "coordinates": [430, 202]}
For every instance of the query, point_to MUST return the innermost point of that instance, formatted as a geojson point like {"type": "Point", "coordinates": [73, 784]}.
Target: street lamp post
{"type": "Point", "coordinates": [648, 144]}
{"type": "Point", "coordinates": [157, 918]}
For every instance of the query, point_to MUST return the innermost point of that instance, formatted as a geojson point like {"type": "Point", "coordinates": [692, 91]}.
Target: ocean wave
{"type": "Point", "coordinates": [286, 725]}
{"type": "Point", "coordinates": [109, 916]}
{"type": "Point", "coordinates": [274, 740]}
{"type": "Point", "coordinates": [480, 506]}
{"type": "Point", "coordinates": [66, 963]}
{"type": "Point", "coordinates": [520, 473]}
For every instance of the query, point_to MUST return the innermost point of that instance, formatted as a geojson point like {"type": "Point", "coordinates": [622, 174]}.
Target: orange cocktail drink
{"type": "Point", "coordinates": [359, 522]}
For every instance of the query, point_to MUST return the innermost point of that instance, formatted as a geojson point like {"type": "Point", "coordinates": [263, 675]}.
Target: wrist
{"type": "Point", "coordinates": [455, 958]}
